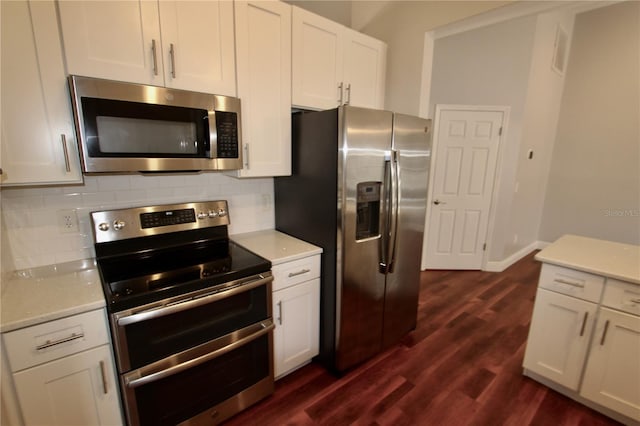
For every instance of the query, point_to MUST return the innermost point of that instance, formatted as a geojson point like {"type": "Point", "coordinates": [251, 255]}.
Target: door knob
{"type": "Point", "coordinates": [436, 202]}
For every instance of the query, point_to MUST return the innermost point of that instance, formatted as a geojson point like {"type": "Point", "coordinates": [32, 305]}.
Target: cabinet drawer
{"type": "Point", "coordinates": [296, 271]}
{"type": "Point", "coordinates": [571, 282]}
{"type": "Point", "coordinates": [55, 339]}
{"type": "Point", "coordinates": [622, 295]}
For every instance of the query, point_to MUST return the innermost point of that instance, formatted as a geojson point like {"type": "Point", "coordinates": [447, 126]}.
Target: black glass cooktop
{"type": "Point", "coordinates": [146, 270]}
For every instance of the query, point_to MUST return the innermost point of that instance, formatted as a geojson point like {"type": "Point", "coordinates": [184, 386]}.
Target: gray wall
{"type": "Point", "coordinates": [402, 25]}
{"type": "Point", "coordinates": [336, 10]}
{"type": "Point", "coordinates": [594, 182]}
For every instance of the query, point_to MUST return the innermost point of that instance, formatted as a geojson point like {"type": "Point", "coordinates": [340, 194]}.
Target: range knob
{"type": "Point", "coordinates": [104, 226]}
{"type": "Point", "coordinates": [222, 212]}
{"type": "Point", "coordinates": [118, 224]}
{"type": "Point", "coordinates": [213, 214]}
{"type": "Point", "coordinates": [203, 215]}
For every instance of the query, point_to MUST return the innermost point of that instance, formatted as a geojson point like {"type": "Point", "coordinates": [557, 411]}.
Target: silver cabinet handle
{"type": "Point", "coordinates": [103, 374]}
{"type": "Point", "coordinates": [279, 312]}
{"type": "Point", "coordinates": [437, 202]}
{"type": "Point", "coordinates": [300, 272]}
{"type": "Point", "coordinates": [340, 86]}
{"type": "Point", "coordinates": [584, 323]}
{"type": "Point", "coordinates": [265, 327]}
{"type": "Point", "coordinates": [604, 332]}
{"type": "Point", "coordinates": [348, 90]}
{"type": "Point", "coordinates": [172, 55]}
{"type": "Point", "coordinates": [192, 303]}
{"type": "Point", "coordinates": [49, 343]}
{"type": "Point", "coordinates": [246, 155]}
{"type": "Point", "coordinates": [154, 54]}
{"type": "Point", "coordinates": [561, 281]}
{"type": "Point", "coordinates": [67, 164]}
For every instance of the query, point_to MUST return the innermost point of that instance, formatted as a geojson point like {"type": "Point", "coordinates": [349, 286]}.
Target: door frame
{"type": "Point", "coordinates": [505, 110]}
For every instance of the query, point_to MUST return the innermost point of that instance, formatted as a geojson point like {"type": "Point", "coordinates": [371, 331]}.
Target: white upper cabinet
{"type": "Point", "coordinates": [365, 62]}
{"type": "Point", "coordinates": [38, 138]}
{"type": "Point", "coordinates": [263, 43]}
{"type": "Point", "coordinates": [122, 40]}
{"type": "Point", "coordinates": [198, 46]}
{"type": "Point", "coordinates": [334, 65]}
{"type": "Point", "coordinates": [317, 60]}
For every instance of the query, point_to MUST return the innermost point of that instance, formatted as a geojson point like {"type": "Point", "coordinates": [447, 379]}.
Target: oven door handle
{"type": "Point", "coordinates": [267, 326]}
{"type": "Point", "coordinates": [193, 303]}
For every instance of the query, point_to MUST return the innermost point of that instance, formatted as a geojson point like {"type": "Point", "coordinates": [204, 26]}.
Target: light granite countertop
{"type": "Point", "coordinates": [606, 258]}
{"type": "Point", "coordinates": [34, 296]}
{"type": "Point", "coordinates": [276, 246]}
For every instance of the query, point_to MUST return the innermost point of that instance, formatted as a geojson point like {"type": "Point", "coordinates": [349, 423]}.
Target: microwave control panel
{"type": "Point", "coordinates": [227, 134]}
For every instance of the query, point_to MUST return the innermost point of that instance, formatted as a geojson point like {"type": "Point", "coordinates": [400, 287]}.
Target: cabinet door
{"type": "Point", "coordinates": [263, 37]}
{"type": "Point", "coordinates": [317, 55]}
{"type": "Point", "coordinates": [198, 46]}
{"type": "Point", "coordinates": [364, 70]}
{"type": "Point", "coordinates": [80, 389]}
{"type": "Point", "coordinates": [113, 40]}
{"type": "Point", "coordinates": [559, 337]}
{"type": "Point", "coordinates": [38, 140]}
{"type": "Point", "coordinates": [612, 378]}
{"type": "Point", "coordinates": [297, 335]}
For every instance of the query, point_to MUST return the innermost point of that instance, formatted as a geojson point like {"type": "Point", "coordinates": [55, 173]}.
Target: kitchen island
{"type": "Point", "coordinates": [584, 339]}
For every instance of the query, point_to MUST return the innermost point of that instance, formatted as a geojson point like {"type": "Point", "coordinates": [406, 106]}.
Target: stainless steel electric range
{"type": "Point", "coordinates": [190, 313]}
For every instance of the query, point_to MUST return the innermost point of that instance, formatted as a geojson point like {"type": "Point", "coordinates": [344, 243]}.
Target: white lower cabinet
{"type": "Point", "coordinates": [76, 390]}
{"type": "Point", "coordinates": [591, 347]}
{"type": "Point", "coordinates": [63, 371]}
{"type": "Point", "coordinates": [612, 377]}
{"type": "Point", "coordinates": [559, 337]}
{"type": "Point", "coordinates": [296, 313]}
{"type": "Point", "coordinates": [296, 337]}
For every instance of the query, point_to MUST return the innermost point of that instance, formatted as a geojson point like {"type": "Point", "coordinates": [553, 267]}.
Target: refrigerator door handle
{"type": "Point", "coordinates": [395, 198]}
{"type": "Point", "coordinates": [383, 242]}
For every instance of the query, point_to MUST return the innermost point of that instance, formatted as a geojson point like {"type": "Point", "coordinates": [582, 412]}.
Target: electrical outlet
{"type": "Point", "coordinates": [67, 221]}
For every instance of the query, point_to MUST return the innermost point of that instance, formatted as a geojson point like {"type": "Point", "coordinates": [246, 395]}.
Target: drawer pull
{"type": "Point", "coordinates": [49, 343]}
{"type": "Point", "coordinates": [584, 323]}
{"type": "Point", "coordinates": [561, 281]}
{"type": "Point", "coordinates": [295, 274]}
{"type": "Point", "coordinates": [103, 374]}
{"type": "Point", "coordinates": [634, 300]}
{"type": "Point", "coordinates": [604, 333]}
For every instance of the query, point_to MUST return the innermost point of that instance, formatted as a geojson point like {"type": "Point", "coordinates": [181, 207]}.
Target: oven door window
{"type": "Point", "coordinates": [179, 397]}
{"type": "Point", "coordinates": [131, 129]}
{"type": "Point", "coordinates": [154, 339]}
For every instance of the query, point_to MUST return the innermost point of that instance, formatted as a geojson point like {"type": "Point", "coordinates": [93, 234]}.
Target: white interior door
{"type": "Point", "coordinates": [465, 158]}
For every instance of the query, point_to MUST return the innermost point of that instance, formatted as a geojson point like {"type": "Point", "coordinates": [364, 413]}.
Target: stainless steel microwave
{"type": "Point", "coordinates": [124, 127]}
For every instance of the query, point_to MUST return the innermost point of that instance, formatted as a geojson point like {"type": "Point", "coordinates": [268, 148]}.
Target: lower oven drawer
{"type": "Point", "coordinates": [207, 387]}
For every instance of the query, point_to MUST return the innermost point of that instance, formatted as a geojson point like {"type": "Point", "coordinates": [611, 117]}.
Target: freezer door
{"type": "Point", "coordinates": [365, 139]}
{"type": "Point", "coordinates": [412, 146]}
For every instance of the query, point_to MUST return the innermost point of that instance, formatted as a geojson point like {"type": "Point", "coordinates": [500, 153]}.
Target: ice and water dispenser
{"type": "Point", "coordinates": [368, 208]}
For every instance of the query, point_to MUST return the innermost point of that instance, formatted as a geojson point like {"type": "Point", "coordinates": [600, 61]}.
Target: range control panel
{"type": "Point", "coordinates": [115, 225]}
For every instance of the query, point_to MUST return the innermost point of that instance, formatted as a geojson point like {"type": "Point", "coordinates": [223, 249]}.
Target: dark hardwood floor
{"type": "Point", "coordinates": [462, 365]}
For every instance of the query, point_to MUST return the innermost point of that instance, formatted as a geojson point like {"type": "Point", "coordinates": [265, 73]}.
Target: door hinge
{"type": "Point", "coordinates": [484, 247]}
{"type": "Point", "coordinates": [500, 132]}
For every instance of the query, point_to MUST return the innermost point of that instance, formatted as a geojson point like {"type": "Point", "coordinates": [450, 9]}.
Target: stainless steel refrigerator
{"type": "Point", "coordinates": [358, 190]}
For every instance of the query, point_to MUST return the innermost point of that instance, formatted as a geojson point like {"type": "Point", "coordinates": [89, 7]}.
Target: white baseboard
{"type": "Point", "coordinates": [501, 265]}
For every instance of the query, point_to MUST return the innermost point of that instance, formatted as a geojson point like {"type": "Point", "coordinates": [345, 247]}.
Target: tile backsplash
{"type": "Point", "coordinates": [36, 238]}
